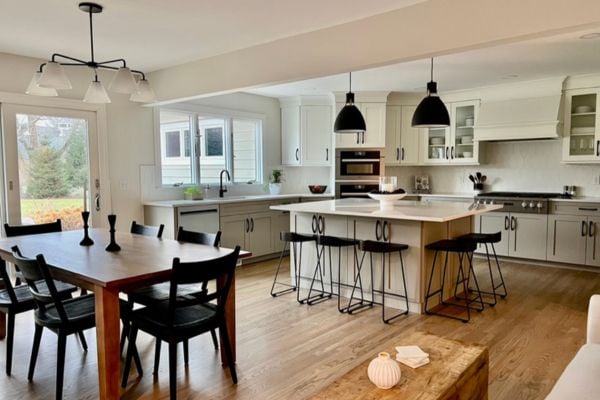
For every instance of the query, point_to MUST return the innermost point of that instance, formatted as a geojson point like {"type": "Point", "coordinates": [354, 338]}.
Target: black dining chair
{"type": "Point", "coordinates": [181, 318]}
{"type": "Point", "coordinates": [61, 316]}
{"type": "Point", "coordinates": [18, 299]}
{"type": "Point", "coordinates": [147, 230]}
{"type": "Point", "coordinates": [35, 229]}
{"type": "Point", "coordinates": [150, 295]}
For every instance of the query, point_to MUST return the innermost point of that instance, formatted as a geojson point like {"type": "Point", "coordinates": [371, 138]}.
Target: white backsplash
{"type": "Point", "coordinates": [509, 166]}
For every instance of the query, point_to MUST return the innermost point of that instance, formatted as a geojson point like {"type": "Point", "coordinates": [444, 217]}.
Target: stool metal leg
{"type": "Point", "coordinates": [323, 295]}
{"type": "Point", "coordinates": [501, 284]}
{"type": "Point", "coordinates": [388, 320]}
{"type": "Point", "coordinates": [358, 280]}
{"type": "Point", "coordinates": [290, 288]}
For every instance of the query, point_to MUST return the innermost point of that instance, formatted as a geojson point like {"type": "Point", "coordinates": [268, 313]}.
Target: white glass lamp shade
{"type": "Point", "coordinates": [35, 90]}
{"type": "Point", "coordinates": [123, 82]}
{"type": "Point", "coordinates": [54, 77]}
{"type": "Point", "coordinates": [144, 94]}
{"type": "Point", "coordinates": [96, 94]}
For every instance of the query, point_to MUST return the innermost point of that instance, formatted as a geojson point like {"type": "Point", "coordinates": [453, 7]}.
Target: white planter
{"type": "Point", "coordinates": [384, 372]}
{"type": "Point", "coordinates": [275, 188]}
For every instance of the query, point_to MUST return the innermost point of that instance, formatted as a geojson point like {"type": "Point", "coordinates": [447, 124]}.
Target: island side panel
{"type": "Point", "coordinates": [433, 232]}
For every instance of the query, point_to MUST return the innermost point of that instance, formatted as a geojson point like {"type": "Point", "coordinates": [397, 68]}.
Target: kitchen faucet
{"type": "Point", "coordinates": [221, 190]}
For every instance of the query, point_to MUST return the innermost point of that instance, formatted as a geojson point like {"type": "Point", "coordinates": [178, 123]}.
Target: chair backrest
{"type": "Point", "coordinates": [202, 272]}
{"type": "Point", "coordinates": [210, 239]}
{"type": "Point", "coordinates": [147, 230]}
{"type": "Point", "coordinates": [34, 270]}
{"type": "Point", "coordinates": [20, 230]}
{"type": "Point", "coordinates": [5, 279]}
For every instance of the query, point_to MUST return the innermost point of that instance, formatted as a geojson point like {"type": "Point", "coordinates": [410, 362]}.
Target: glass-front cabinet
{"type": "Point", "coordinates": [455, 144]}
{"type": "Point", "coordinates": [581, 138]}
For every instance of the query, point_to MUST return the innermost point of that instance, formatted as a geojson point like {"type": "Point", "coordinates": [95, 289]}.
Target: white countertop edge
{"type": "Point", "coordinates": [232, 199]}
{"type": "Point", "coordinates": [373, 211]}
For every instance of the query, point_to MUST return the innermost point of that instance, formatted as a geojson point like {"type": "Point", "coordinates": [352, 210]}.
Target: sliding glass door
{"type": "Point", "coordinates": [51, 165]}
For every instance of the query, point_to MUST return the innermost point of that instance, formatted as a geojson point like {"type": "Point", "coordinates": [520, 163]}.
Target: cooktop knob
{"type": "Point", "coordinates": [531, 205]}
{"type": "Point", "coordinates": [539, 204]}
{"type": "Point", "coordinates": [524, 204]}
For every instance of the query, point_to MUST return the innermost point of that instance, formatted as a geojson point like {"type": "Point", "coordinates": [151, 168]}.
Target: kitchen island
{"type": "Point", "coordinates": [413, 223]}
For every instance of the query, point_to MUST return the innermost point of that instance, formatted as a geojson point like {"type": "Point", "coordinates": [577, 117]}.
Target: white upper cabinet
{"type": "Point", "coordinates": [455, 144]}
{"type": "Point", "coordinates": [374, 136]}
{"type": "Point", "coordinates": [306, 132]}
{"type": "Point", "coordinates": [402, 141]}
{"type": "Point", "coordinates": [581, 137]}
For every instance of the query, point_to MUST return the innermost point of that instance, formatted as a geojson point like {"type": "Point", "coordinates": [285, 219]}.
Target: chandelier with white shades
{"type": "Point", "coordinates": [51, 75]}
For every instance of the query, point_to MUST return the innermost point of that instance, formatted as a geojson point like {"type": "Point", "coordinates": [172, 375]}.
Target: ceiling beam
{"type": "Point", "coordinates": [432, 28]}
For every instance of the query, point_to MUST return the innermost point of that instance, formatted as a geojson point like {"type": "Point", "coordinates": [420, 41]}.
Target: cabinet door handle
{"type": "Point", "coordinates": [584, 228]}
{"type": "Point", "coordinates": [506, 223]}
{"type": "Point", "coordinates": [452, 152]}
{"type": "Point", "coordinates": [363, 138]}
{"type": "Point", "coordinates": [321, 225]}
{"type": "Point", "coordinates": [447, 148]}
{"type": "Point", "coordinates": [513, 223]}
{"type": "Point", "coordinates": [297, 155]}
{"type": "Point", "coordinates": [397, 153]}
{"type": "Point", "coordinates": [252, 222]}
{"type": "Point", "coordinates": [591, 229]}
{"type": "Point", "coordinates": [378, 230]}
{"type": "Point", "coordinates": [246, 225]}
{"type": "Point", "coordinates": [385, 231]}
{"type": "Point", "coordinates": [314, 224]}
{"type": "Point", "coordinates": [327, 154]}
{"type": "Point", "coordinates": [598, 148]}
{"type": "Point", "coordinates": [402, 158]}
{"type": "Point", "coordinates": [357, 137]}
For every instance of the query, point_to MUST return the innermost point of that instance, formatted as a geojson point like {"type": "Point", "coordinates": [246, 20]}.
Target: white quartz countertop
{"type": "Point", "coordinates": [432, 211]}
{"type": "Point", "coordinates": [232, 199]}
{"type": "Point", "coordinates": [582, 199]}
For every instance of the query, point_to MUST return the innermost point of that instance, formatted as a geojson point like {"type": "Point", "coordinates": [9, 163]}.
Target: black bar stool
{"type": "Point", "coordinates": [462, 248]}
{"type": "Point", "coordinates": [324, 242]}
{"type": "Point", "coordinates": [383, 248]}
{"type": "Point", "coordinates": [489, 239]}
{"type": "Point", "coordinates": [296, 239]}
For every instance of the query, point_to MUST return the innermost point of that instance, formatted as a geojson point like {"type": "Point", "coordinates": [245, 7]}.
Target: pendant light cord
{"type": "Point", "coordinates": [91, 35]}
{"type": "Point", "coordinates": [431, 69]}
{"type": "Point", "coordinates": [350, 90]}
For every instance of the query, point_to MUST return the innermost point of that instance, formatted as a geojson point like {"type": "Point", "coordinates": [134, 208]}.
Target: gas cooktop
{"type": "Point", "coordinates": [527, 195]}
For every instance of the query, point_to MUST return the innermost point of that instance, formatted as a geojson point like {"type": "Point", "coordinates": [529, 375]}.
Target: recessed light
{"type": "Point", "coordinates": [593, 35]}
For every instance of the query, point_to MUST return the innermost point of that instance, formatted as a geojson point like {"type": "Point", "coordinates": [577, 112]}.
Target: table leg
{"type": "Point", "coordinates": [2, 325]}
{"type": "Point", "coordinates": [107, 333]}
{"type": "Point", "coordinates": [230, 318]}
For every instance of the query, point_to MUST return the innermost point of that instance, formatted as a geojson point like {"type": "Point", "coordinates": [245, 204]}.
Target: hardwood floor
{"type": "Point", "coordinates": [289, 351]}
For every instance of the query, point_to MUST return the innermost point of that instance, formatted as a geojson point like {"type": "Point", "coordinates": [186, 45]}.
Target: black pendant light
{"type": "Point", "coordinates": [431, 112]}
{"type": "Point", "coordinates": [349, 120]}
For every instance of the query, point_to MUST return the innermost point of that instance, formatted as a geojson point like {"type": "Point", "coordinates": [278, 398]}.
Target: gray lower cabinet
{"type": "Point", "coordinates": [523, 235]}
{"type": "Point", "coordinates": [573, 239]}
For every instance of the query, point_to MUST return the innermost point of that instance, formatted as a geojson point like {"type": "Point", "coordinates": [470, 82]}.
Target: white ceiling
{"type": "Point", "coordinates": [534, 59]}
{"type": "Point", "coordinates": [154, 34]}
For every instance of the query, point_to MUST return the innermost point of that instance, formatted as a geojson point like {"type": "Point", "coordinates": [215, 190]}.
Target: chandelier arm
{"type": "Point", "coordinates": [135, 71]}
{"type": "Point", "coordinates": [68, 58]}
{"type": "Point", "coordinates": [114, 61]}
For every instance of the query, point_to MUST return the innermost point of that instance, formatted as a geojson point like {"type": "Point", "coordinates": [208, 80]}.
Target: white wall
{"type": "Point", "coordinates": [510, 166]}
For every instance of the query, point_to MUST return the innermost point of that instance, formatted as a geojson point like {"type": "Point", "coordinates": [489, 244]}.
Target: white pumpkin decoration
{"type": "Point", "coordinates": [384, 372]}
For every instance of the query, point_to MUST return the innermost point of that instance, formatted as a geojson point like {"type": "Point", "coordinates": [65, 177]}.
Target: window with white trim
{"type": "Point", "coordinates": [221, 142]}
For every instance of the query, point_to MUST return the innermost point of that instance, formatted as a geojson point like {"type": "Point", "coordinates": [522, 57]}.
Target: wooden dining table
{"type": "Point", "coordinates": [141, 261]}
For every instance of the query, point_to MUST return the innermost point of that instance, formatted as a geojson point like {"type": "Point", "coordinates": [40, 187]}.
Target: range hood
{"type": "Point", "coordinates": [519, 119]}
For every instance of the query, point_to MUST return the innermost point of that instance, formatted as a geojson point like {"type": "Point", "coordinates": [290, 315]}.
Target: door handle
{"type": "Point", "coordinates": [314, 224]}
{"type": "Point", "coordinates": [252, 222]}
{"type": "Point", "coordinates": [363, 138]}
{"type": "Point", "coordinates": [385, 231]}
{"type": "Point", "coordinates": [447, 148]}
{"type": "Point", "coordinates": [584, 229]}
{"type": "Point", "coordinates": [327, 154]}
{"type": "Point", "coordinates": [452, 152]}
{"type": "Point", "coordinates": [513, 223]}
{"type": "Point", "coordinates": [357, 137]}
{"type": "Point", "coordinates": [297, 155]}
{"type": "Point", "coordinates": [321, 225]}
{"type": "Point", "coordinates": [378, 230]}
{"type": "Point", "coordinates": [402, 157]}
{"type": "Point", "coordinates": [506, 223]}
{"type": "Point", "coordinates": [591, 229]}
{"type": "Point", "coordinates": [246, 225]}
{"type": "Point", "coordinates": [97, 201]}
{"type": "Point", "coordinates": [397, 153]}
{"type": "Point", "coordinates": [598, 148]}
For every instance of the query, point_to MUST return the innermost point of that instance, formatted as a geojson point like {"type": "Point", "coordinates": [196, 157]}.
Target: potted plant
{"type": "Point", "coordinates": [275, 179]}
{"type": "Point", "coordinates": [192, 193]}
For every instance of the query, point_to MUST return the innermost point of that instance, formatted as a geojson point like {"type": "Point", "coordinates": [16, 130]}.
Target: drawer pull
{"type": "Point", "coordinates": [587, 209]}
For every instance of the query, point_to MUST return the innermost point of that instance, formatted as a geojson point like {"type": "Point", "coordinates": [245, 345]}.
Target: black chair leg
{"type": "Point", "coordinates": [173, 370]}
{"type": "Point", "coordinates": [228, 352]}
{"type": "Point", "coordinates": [215, 341]}
{"type": "Point", "coordinates": [157, 356]}
{"type": "Point", "coordinates": [186, 352]}
{"type": "Point", "coordinates": [124, 334]}
{"type": "Point", "coordinates": [82, 339]}
{"type": "Point", "coordinates": [60, 364]}
{"type": "Point", "coordinates": [129, 357]}
{"type": "Point", "coordinates": [37, 338]}
{"type": "Point", "coordinates": [10, 337]}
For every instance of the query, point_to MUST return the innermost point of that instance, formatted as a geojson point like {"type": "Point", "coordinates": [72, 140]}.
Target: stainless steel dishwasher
{"type": "Point", "coordinates": [199, 218]}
